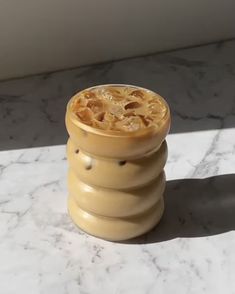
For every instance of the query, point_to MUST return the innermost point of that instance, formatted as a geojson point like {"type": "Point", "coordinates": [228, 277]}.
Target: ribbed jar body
{"type": "Point", "coordinates": [116, 182]}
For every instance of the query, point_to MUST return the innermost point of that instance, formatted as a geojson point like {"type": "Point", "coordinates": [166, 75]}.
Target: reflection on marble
{"type": "Point", "coordinates": [198, 84]}
{"type": "Point", "coordinates": [192, 249]}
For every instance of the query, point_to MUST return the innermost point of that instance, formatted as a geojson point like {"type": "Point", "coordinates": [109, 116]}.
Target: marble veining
{"type": "Point", "coordinates": [198, 84]}
{"type": "Point", "coordinates": [191, 251]}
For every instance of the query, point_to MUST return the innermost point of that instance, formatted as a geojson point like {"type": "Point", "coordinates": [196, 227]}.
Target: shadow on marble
{"type": "Point", "coordinates": [195, 208]}
{"type": "Point", "coordinates": [198, 84]}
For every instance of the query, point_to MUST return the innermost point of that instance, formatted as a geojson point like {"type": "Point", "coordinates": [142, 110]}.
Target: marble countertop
{"type": "Point", "coordinates": [193, 248]}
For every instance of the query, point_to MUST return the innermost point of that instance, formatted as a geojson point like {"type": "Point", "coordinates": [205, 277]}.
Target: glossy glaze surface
{"type": "Point", "coordinates": [116, 192]}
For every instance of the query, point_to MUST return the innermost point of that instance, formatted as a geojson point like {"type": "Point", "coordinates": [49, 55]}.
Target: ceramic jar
{"type": "Point", "coordinates": [116, 181]}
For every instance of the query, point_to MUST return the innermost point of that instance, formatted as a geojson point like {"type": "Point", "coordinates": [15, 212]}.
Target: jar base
{"type": "Point", "coordinates": [112, 228]}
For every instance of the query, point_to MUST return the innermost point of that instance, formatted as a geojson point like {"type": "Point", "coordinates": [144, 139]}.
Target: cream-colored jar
{"type": "Point", "coordinates": [116, 179]}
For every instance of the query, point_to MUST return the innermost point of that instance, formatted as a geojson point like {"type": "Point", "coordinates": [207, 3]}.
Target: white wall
{"type": "Point", "coordinates": [45, 35]}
